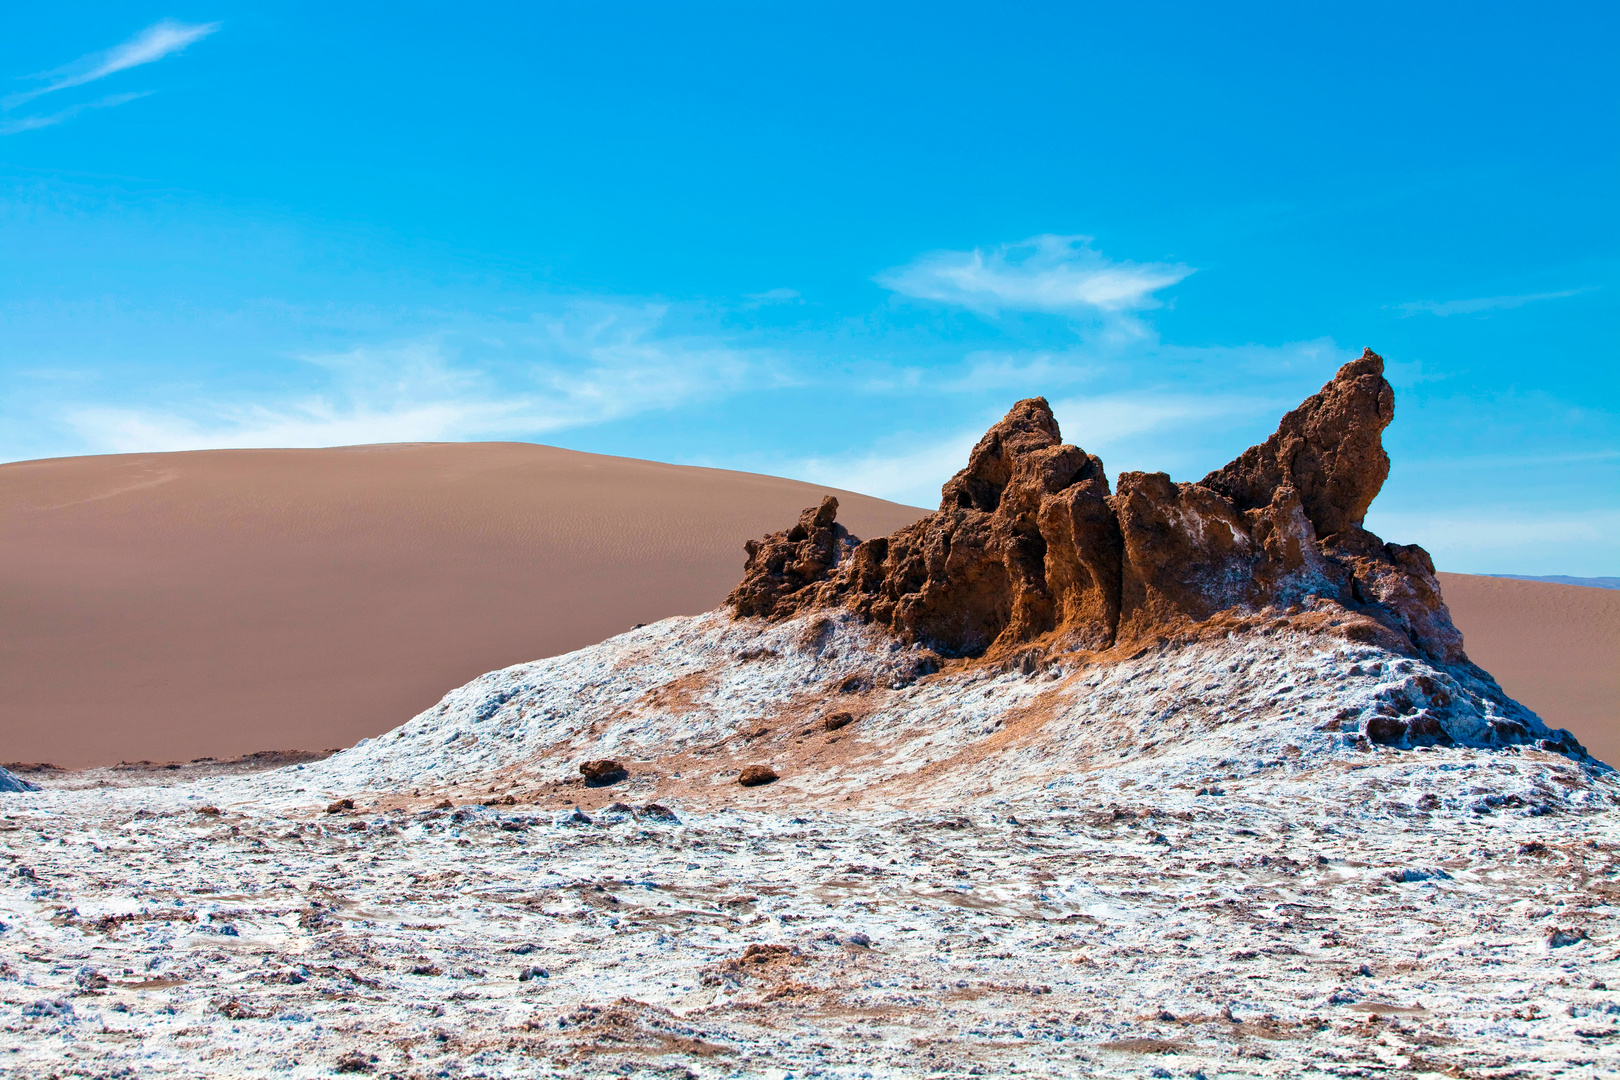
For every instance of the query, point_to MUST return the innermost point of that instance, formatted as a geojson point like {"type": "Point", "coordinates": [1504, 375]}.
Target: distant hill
{"type": "Point", "coordinates": [1560, 579]}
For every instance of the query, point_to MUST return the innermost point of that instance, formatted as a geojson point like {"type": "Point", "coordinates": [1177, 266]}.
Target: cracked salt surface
{"type": "Point", "coordinates": [1163, 866]}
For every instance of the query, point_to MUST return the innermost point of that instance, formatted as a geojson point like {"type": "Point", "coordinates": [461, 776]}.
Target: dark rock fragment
{"type": "Point", "coordinates": [756, 775]}
{"type": "Point", "coordinates": [355, 1062]}
{"type": "Point", "coordinates": [602, 772]}
{"type": "Point", "coordinates": [90, 979]}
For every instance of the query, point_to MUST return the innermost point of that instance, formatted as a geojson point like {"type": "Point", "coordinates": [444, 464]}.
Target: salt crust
{"type": "Point", "coordinates": [1169, 865]}
{"type": "Point", "coordinates": [1168, 711]}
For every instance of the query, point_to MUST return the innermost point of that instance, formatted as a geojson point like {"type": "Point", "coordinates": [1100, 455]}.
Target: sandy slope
{"type": "Point", "coordinates": [220, 602]}
{"type": "Point", "coordinates": [1554, 647]}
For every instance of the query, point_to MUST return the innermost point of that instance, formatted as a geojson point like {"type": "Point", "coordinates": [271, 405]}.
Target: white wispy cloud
{"type": "Point", "coordinates": [1483, 303]}
{"type": "Point", "coordinates": [589, 364]}
{"type": "Point", "coordinates": [1106, 421]}
{"type": "Point", "coordinates": [1056, 274]}
{"type": "Point", "coordinates": [1203, 406]}
{"type": "Point", "coordinates": [910, 471]}
{"type": "Point", "coordinates": [409, 392]}
{"type": "Point", "coordinates": [30, 123]}
{"type": "Point", "coordinates": [613, 360]}
{"type": "Point", "coordinates": [161, 39]}
{"type": "Point", "coordinates": [1496, 540]}
{"type": "Point", "coordinates": [773, 296]}
{"type": "Point", "coordinates": [992, 371]}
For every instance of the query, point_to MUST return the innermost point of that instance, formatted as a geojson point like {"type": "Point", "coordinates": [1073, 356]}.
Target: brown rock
{"type": "Point", "coordinates": [1189, 553]}
{"type": "Point", "coordinates": [1023, 543]}
{"type": "Point", "coordinates": [837, 720]}
{"type": "Point", "coordinates": [766, 954]}
{"type": "Point", "coordinates": [1029, 552]}
{"type": "Point", "coordinates": [602, 772]}
{"type": "Point", "coordinates": [755, 775]}
{"type": "Point", "coordinates": [1328, 450]}
{"type": "Point", "coordinates": [785, 563]}
{"type": "Point", "coordinates": [1386, 729]}
{"type": "Point", "coordinates": [340, 806]}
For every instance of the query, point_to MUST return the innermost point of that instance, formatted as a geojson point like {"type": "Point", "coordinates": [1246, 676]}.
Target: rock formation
{"type": "Point", "coordinates": [602, 772]}
{"type": "Point", "coordinates": [1030, 551]}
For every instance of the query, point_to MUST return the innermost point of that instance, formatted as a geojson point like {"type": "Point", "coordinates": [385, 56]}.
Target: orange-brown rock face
{"type": "Point", "coordinates": [1030, 548]}
{"type": "Point", "coordinates": [783, 565]}
{"type": "Point", "coordinates": [1329, 450]}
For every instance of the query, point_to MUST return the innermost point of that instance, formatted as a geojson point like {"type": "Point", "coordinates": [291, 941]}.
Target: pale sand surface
{"type": "Point", "coordinates": [1554, 647]}
{"type": "Point", "coordinates": [170, 606]}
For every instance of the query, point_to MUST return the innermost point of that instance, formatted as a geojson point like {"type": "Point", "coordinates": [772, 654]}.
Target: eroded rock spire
{"type": "Point", "coordinates": [1029, 548]}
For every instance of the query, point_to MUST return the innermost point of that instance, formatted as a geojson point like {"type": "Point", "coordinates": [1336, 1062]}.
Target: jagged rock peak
{"type": "Point", "coordinates": [784, 563]}
{"type": "Point", "coordinates": [1028, 427]}
{"type": "Point", "coordinates": [1329, 450]}
{"type": "Point", "coordinates": [1030, 551]}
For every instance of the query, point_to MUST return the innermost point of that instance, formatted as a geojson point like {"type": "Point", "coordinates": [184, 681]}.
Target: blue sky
{"type": "Point", "coordinates": [832, 242]}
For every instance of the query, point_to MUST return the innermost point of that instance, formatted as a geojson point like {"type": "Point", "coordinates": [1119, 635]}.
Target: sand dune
{"type": "Point", "coordinates": [170, 606]}
{"type": "Point", "coordinates": [1554, 647]}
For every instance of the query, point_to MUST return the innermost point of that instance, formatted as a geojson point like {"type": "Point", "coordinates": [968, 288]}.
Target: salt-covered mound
{"type": "Point", "coordinates": [687, 703]}
{"type": "Point", "coordinates": [1029, 555]}
{"type": "Point", "coordinates": [10, 781]}
{"type": "Point", "coordinates": [1034, 627]}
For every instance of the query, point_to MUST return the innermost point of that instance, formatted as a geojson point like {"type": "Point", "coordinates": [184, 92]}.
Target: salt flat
{"type": "Point", "coordinates": [1246, 898]}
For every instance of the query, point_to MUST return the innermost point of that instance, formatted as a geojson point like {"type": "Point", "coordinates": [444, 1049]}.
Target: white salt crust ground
{"type": "Point", "coordinates": [1156, 868]}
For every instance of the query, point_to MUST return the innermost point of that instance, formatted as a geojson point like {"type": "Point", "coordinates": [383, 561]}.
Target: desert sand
{"type": "Point", "coordinates": [215, 603]}
{"type": "Point", "coordinates": [1554, 647]}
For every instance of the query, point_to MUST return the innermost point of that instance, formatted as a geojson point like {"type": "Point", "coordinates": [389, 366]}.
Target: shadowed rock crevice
{"type": "Point", "coordinates": [1030, 549]}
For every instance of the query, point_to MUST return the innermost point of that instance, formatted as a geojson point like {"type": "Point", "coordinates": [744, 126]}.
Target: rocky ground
{"type": "Point", "coordinates": [983, 872]}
